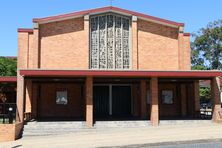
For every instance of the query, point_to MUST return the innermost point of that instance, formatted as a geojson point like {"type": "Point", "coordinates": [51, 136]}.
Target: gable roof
{"type": "Point", "coordinates": [106, 9]}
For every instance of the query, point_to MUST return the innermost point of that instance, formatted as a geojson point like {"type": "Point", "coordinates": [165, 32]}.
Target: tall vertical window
{"type": "Point", "coordinates": [109, 42]}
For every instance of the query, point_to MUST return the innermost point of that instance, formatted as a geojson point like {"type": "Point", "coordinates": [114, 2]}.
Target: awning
{"type": "Point", "coordinates": [120, 73]}
{"type": "Point", "coordinates": [12, 79]}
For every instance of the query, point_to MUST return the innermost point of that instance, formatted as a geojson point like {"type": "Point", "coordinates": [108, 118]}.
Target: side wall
{"type": "Point", "coordinates": [157, 46]}
{"type": "Point", "coordinates": [46, 106]}
{"type": "Point", "coordinates": [183, 100]}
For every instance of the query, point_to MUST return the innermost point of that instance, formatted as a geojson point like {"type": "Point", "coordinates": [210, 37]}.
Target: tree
{"type": "Point", "coordinates": [207, 47]}
{"type": "Point", "coordinates": [205, 94]}
{"type": "Point", "coordinates": [8, 66]}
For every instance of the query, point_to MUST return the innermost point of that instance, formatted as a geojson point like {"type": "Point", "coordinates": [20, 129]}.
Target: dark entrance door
{"type": "Point", "coordinates": [101, 101]}
{"type": "Point", "coordinates": [111, 104]}
{"type": "Point", "coordinates": [121, 101]}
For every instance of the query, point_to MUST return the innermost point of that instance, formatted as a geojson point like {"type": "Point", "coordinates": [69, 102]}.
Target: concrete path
{"type": "Point", "coordinates": [122, 136]}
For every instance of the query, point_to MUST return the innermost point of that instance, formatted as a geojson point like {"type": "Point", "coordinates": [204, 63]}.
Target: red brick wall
{"type": "Point", "coordinates": [10, 132]}
{"type": "Point", "coordinates": [64, 45]}
{"type": "Point", "coordinates": [157, 46]}
{"type": "Point", "coordinates": [136, 100]}
{"type": "Point", "coordinates": [47, 106]}
{"type": "Point", "coordinates": [175, 109]}
{"type": "Point", "coordinates": [169, 109]}
{"type": "Point", "coordinates": [7, 132]}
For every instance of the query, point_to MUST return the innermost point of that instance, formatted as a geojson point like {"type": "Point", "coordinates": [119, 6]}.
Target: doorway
{"type": "Point", "coordinates": [112, 101]}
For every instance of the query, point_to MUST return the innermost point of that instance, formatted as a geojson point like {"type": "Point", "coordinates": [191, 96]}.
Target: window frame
{"type": "Point", "coordinates": [130, 42]}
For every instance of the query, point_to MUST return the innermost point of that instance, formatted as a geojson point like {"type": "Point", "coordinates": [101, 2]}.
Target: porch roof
{"type": "Point", "coordinates": [120, 73]}
{"type": "Point", "coordinates": [9, 79]}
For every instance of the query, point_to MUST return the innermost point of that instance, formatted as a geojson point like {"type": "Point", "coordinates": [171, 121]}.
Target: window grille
{"type": "Point", "coordinates": [109, 42]}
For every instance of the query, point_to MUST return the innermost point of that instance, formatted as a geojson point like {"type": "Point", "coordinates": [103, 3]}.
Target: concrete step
{"type": "Point", "coordinates": [122, 124]}
{"type": "Point", "coordinates": [56, 123]}
{"type": "Point", "coordinates": [179, 122]}
{"type": "Point", "coordinates": [52, 128]}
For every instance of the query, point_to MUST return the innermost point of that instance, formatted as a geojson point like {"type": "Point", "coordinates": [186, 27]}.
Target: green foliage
{"type": "Point", "coordinates": [205, 94]}
{"type": "Point", "coordinates": [207, 47]}
{"type": "Point", "coordinates": [8, 66]}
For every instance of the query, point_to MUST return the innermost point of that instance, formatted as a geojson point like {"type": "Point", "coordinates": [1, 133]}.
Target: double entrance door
{"type": "Point", "coordinates": [112, 101]}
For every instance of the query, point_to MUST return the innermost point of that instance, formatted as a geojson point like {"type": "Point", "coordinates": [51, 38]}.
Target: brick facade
{"type": "Point", "coordinates": [168, 49]}
{"type": "Point", "coordinates": [64, 43]}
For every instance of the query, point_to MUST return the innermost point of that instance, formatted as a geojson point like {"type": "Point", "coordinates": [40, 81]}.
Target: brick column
{"type": "Point", "coordinates": [134, 44]}
{"type": "Point", "coordinates": [35, 53]}
{"type": "Point", "coordinates": [196, 97]}
{"type": "Point", "coordinates": [216, 102]}
{"type": "Point", "coordinates": [23, 48]}
{"type": "Point", "coordinates": [180, 51]}
{"type": "Point", "coordinates": [28, 98]}
{"type": "Point", "coordinates": [86, 31]}
{"type": "Point", "coordinates": [35, 96]}
{"type": "Point", "coordinates": [186, 52]}
{"type": "Point", "coordinates": [154, 116]}
{"type": "Point", "coordinates": [143, 99]}
{"type": "Point", "coordinates": [23, 39]}
{"type": "Point", "coordinates": [20, 99]}
{"type": "Point", "coordinates": [89, 101]}
{"type": "Point", "coordinates": [183, 100]}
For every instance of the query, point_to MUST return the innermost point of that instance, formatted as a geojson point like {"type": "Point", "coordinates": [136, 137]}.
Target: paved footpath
{"type": "Point", "coordinates": [112, 137]}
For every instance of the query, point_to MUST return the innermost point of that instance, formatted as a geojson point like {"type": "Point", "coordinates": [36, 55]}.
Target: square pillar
{"type": "Point", "coordinates": [20, 98]}
{"type": "Point", "coordinates": [35, 97]}
{"type": "Point", "coordinates": [35, 52]}
{"type": "Point", "coordinates": [183, 92]}
{"type": "Point", "coordinates": [134, 44]}
{"type": "Point", "coordinates": [197, 97]}
{"type": "Point", "coordinates": [216, 102]}
{"type": "Point", "coordinates": [28, 99]}
{"type": "Point", "coordinates": [154, 116]}
{"type": "Point", "coordinates": [180, 51]}
{"type": "Point", "coordinates": [87, 39]}
{"type": "Point", "coordinates": [89, 101]}
{"type": "Point", "coordinates": [143, 99]}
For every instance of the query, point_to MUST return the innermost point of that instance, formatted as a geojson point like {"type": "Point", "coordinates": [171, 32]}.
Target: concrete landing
{"type": "Point", "coordinates": [123, 136]}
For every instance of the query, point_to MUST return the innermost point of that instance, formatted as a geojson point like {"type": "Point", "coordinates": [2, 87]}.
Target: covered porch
{"type": "Point", "coordinates": [114, 95]}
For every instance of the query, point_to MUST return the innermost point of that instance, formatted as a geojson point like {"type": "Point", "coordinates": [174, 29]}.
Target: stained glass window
{"type": "Point", "coordinates": [109, 42]}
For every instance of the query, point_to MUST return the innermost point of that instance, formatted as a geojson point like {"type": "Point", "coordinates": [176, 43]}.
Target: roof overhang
{"type": "Point", "coordinates": [104, 10]}
{"type": "Point", "coordinates": [8, 79]}
{"type": "Point", "coordinates": [25, 30]}
{"type": "Point", "coordinates": [118, 73]}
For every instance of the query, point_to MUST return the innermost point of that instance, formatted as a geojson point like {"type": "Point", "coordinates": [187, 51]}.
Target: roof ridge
{"type": "Point", "coordinates": [104, 9]}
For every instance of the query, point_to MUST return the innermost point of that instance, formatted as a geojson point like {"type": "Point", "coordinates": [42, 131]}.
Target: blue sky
{"type": "Point", "coordinates": [19, 13]}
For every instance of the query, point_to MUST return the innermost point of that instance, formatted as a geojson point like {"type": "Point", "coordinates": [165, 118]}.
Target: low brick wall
{"type": "Point", "coordinates": [10, 132]}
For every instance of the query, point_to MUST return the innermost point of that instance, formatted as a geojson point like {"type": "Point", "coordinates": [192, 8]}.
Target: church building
{"type": "Point", "coordinates": [108, 64]}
